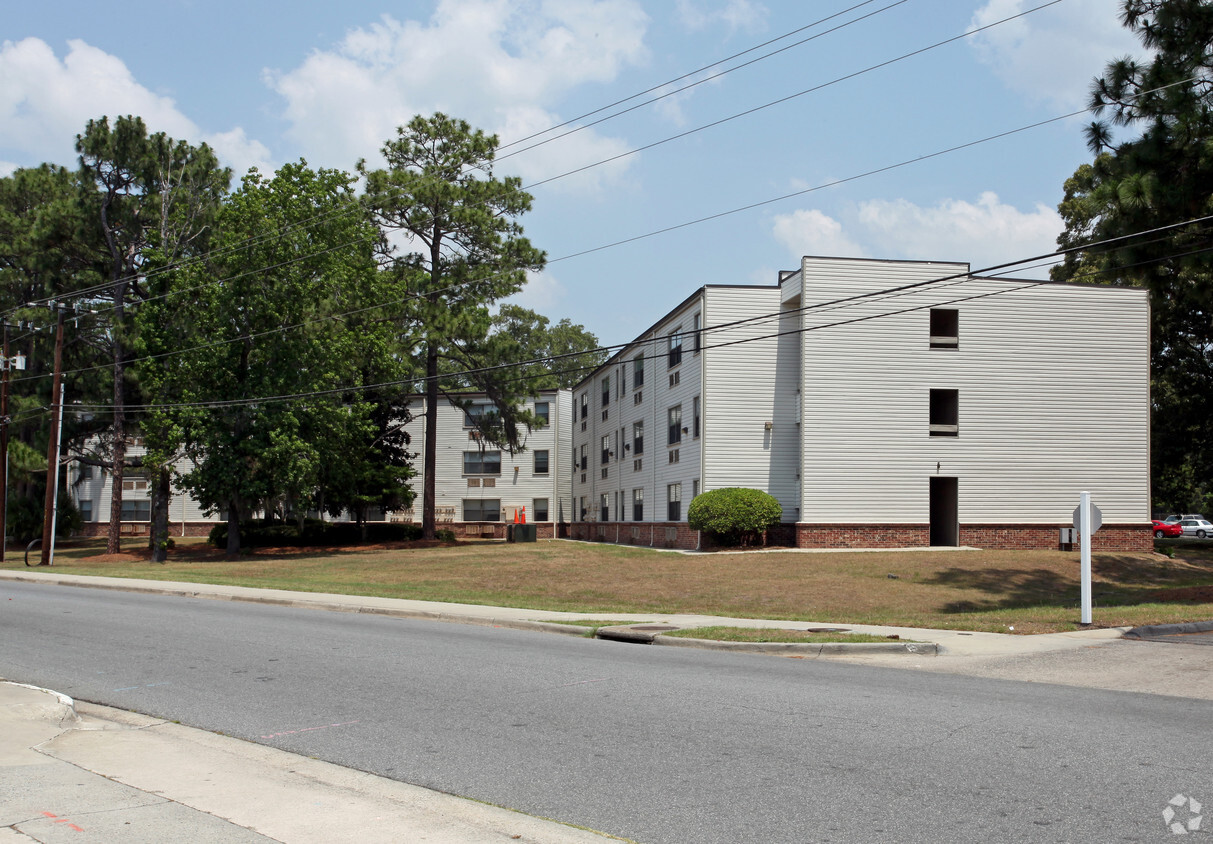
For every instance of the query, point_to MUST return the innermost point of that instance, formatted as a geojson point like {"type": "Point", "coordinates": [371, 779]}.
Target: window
{"type": "Point", "coordinates": [672, 454]}
{"type": "Point", "coordinates": [696, 333]}
{"type": "Point", "coordinates": [675, 426]}
{"type": "Point", "coordinates": [675, 377]}
{"type": "Point", "coordinates": [85, 473]}
{"type": "Point", "coordinates": [542, 412]}
{"type": "Point", "coordinates": [637, 464]}
{"type": "Point", "coordinates": [604, 508]}
{"type": "Point", "coordinates": [638, 505]}
{"type": "Point", "coordinates": [582, 510]}
{"type": "Point", "coordinates": [675, 341]}
{"type": "Point", "coordinates": [86, 509]}
{"type": "Point", "coordinates": [606, 449]}
{"type": "Point", "coordinates": [479, 413]}
{"type": "Point", "coordinates": [584, 451]}
{"type": "Point", "coordinates": [482, 509]}
{"type": "Point", "coordinates": [638, 438]}
{"type": "Point", "coordinates": [695, 418]}
{"type": "Point", "coordinates": [482, 463]}
{"type": "Point", "coordinates": [137, 511]}
{"type": "Point", "coordinates": [945, 328]}
{"type": "Point", "coordinates": [637, 397]}
{"type": "Point", "coordinates": [585, 404]}
{"type": "Point", "coordinates": [539, 509]}
{"type": "Point", "coordinates": [945, 413]}
{"type": "Point", "coordinates": [637, 371]}
{"type": "Point", "coordinates": [606, 390]}
{"type": "Point", "coordinates": [541, 461]}
{"type": "Point", "coordinates": [674, 500]}
{"type": "Point", "coordinates": [694, 489]}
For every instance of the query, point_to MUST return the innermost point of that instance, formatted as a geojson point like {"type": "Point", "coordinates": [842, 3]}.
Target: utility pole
{"type": "Point", "coordinates": [4, 421]}
{"type": "Point", "coordinates": [52, 450]}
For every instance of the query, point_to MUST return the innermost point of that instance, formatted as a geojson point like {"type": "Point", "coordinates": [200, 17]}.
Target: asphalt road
{"type": "Point", "coordinates": [654, 744]}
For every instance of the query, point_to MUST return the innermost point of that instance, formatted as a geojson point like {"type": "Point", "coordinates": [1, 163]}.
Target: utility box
{"type": "Point", "coordinates": [520, 533]}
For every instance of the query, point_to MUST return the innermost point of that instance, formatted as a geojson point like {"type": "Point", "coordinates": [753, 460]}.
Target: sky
{"type": "Point", "coordinates": [265, 83]}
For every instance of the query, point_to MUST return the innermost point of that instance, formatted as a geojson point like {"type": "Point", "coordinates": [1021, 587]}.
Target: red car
{"type": "Point", "coordinates": [1162, 529]}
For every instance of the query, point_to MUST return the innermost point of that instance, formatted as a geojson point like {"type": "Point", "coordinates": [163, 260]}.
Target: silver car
{"type": "Point", "coordinates": [1196, 527]}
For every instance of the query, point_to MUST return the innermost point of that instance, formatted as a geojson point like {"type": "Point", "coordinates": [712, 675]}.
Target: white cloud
{"type": "Point", "coordinates": [45, 103]}
{"type": "Point", "coordinates": [1051, 56]}
{"type": "Point", "coordinates": [983, 233]}
{"type": "Point", "coordinates": [810, 232]}
{"type": "Point", "coordinates": [734, 14]}
{"type": "Point", "coordinates": [543, 291]}
{"type": "Point", "coordinates": [499, 64]}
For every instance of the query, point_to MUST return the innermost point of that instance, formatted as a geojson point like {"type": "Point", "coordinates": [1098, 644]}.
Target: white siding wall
{"type": "Point", "coordinates": [512, 488]}
{"type": "Point", "coordinates": [749, 384]}
{"type": "Point", "coordinates": [99, 486]}
{"type": "Point", "coordinates": [1053, 385]}
{"type": "Point", "coordinates": [657, 396]}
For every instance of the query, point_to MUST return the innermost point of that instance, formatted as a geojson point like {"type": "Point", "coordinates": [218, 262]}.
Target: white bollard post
{"type": "Point", "coordinates": [1084, 530]}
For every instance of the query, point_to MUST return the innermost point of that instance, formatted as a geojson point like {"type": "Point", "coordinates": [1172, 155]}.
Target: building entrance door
{"type": "Point", "coordinates": [945, 511]}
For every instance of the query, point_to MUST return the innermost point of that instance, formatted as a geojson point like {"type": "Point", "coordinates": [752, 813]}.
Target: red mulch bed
{"type": "Point", "coordinates": [203, 552]}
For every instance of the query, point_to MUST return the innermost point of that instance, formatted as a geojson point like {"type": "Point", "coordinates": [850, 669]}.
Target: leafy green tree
{"type": "Point", "coordinates": [1161, 175]}
{"type": "Point", "coordinates": [152, 198]}
{"type": "Point", "coordinates": [564, 353]}
{"type": "Point", "coordinates": [451, 241]}
{"type": "Point", "coordinates": [48, 250]}
{"type": "Point", "coordinates": [258, 359]}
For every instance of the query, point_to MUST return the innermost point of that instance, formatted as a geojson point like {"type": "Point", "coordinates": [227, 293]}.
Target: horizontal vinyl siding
{"type": "Point", "coordinates": [1053, 387]}
{"type": "Point", "coordinates": [657, 397]}
{"type": "Point", "coordinates": [512, 489]}
{"type": "Point", "coordinates": [749, 384]}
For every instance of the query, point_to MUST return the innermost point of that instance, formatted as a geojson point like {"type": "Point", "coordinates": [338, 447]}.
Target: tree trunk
{"type": "Point", "coordinates": [430, 457]}
{"type": "Point", "coordinates": [113, 544]}
{"type": "Point", "coordinates": [233, 529]}
{"type": "Point", "coordinates": [161, 491]}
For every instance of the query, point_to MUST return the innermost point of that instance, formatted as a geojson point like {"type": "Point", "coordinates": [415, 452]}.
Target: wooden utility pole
{"type": "Point", "coordinates": [52, 450]}
{"type": "Point", "coordinates": [4, 423]}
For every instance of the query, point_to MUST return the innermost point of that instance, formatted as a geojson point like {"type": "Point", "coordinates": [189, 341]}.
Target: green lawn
{"type": "Point", "coordinates": [1031, 591]}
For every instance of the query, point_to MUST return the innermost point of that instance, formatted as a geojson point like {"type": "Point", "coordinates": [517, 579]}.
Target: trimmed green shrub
{"type": "Point", "coordinates": [260, 534]}
{"type": "Point", "coordinates": [443, 535]}
{"type": "Point", "coordinates": [734, 515]}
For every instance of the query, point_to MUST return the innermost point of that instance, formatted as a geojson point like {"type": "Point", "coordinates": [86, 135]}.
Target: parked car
{"type": "Point", "coordinates": [1196, 527]}
{"type": "Point", "coordinates": [1174, 520]}
{"type": "Point", "coordinates": [1167, 529]}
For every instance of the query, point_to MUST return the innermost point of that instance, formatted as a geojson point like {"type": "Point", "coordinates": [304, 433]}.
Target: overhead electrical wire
{"type": "Point", "coordinates": [337, 212]}
{"type": "Point", "coordinates": [971, 277]}
{"type": "Point", "coordinates": [108, 285]}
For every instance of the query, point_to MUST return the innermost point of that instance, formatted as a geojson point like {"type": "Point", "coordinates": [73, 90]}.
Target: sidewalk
{"type": "Point", "coordinates": [87, 774]}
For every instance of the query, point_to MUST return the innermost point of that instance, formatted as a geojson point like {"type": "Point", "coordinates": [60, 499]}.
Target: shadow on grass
{"type": "Point", "coordinates": [1121, 580]}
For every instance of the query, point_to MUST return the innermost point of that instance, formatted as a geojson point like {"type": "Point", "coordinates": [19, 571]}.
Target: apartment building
{"type": "Point", "coordinates": [479, 487]}
{"type": "Point", "coordinates": [882, 403]}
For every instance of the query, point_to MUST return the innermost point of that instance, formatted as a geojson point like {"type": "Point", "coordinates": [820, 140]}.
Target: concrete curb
{"type": "Point", "coordinates": [654, 634]}
{"type": "Point", "coordinates": [1169, 629]}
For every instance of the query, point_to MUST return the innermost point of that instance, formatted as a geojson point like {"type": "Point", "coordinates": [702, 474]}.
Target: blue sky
{"type": "Point", "coordinates": [269, 82]}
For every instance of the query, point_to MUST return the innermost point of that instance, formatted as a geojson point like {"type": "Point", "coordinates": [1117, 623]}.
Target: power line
{"type": "Point", "coordinates": [695, 83]}
{"type": "Point", "coordinates": [884, 293]}
{"type": "Point", "coordinates": [107, 285]}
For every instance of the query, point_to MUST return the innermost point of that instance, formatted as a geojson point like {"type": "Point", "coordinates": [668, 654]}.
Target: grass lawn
{"type": "Point", "coordinates": [1031, 591]}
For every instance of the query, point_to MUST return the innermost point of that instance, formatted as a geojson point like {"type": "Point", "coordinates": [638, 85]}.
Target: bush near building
{"type": "Point", "coordinates": [734, 515]}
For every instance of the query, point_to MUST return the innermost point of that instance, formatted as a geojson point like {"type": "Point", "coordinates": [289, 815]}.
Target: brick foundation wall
{"type": "Point", "coordinates": [1121, 537]}
{"type": "Point", "coordinates": [496, 530]}
{"type": "Point", "coordinates": [140, 530]}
